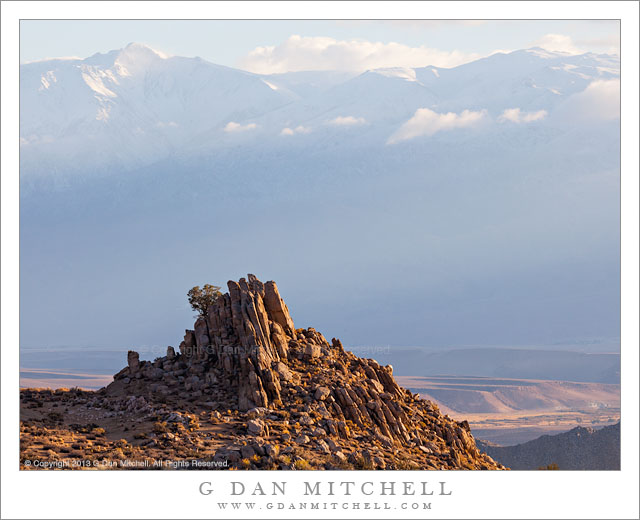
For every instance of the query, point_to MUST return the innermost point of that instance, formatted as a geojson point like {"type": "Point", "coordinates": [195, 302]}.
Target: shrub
{"type": "Point", "coordinates": [160, 427]}
{"type": "Point", "coordinates": [302, 464]}
{"type": "Point", "coordinates": [55, 416]}
{"type": "Point", "coordinates": [549, 467]}
{"type": "Point", "coordinates": [201, 299]}
{"type": "Point", "coordinates": [362, 463]}
{"type": "Point", "coordinates": [406, 465]}
{"type": "Point", "coordinates": [285, 459]}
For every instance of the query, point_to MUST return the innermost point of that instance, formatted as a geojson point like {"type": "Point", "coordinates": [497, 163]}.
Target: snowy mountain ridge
{"type": "Point", "coordinates": [131, 107]}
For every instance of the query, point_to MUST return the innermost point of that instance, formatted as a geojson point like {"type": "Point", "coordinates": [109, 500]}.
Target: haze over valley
{"type": "Point", "coordinates": [475, 205]}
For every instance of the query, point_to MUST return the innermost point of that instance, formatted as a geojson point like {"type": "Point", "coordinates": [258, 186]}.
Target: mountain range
{"type": "Point", "coordinates": [483, 199]}
{"type": "Point", "coordinates": [135, 106]}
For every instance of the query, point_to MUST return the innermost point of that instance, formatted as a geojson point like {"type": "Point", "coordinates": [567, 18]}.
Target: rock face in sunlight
{"type": "Point", "coordinates": [292, 389]}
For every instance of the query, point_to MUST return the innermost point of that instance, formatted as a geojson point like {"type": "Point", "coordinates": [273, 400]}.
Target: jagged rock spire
{"type": "Point", "coordinates": [247, 354]}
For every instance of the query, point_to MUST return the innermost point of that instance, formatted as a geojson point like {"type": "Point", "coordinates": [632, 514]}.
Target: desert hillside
{"type": "Point", "coordinates": [246, 390]}
{"type": "Point", "coordinates": [578, 449]}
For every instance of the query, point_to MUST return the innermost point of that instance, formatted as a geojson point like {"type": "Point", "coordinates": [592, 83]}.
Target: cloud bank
{"type": "Point", "coordinates": [600, 101]}
{"type": "Point", "coordinates": [299, 53]}
{"type": "Point", "coordinates": [233, 127]}
{"type": "Point", "coordinates": [564, 43]}
{"type": "Point", "coordinates": [427, 122]}
{"type": "Point", "coordinates": [515, 115]}
{"type": "Point", "coordinates": [557, 43]}
{"type": "Point", "coordinates": [347, 121]}
{"type": "Point", "coordinates": [297, 130]}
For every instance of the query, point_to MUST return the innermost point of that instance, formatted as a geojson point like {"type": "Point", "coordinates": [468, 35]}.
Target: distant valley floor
{"type": "Point", "coordinates": [504, 411]}
{"type": "Point", "coordinates": [63, 378]}
{"type": "Point", "coordinates": [513, 411]}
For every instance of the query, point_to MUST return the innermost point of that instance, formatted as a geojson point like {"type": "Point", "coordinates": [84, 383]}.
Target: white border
{"type": "Point", "coordinates": [174, 494]}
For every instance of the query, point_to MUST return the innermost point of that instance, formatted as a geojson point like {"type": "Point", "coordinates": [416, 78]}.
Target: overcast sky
{"type": "Point", "coordinates": [282, 46]}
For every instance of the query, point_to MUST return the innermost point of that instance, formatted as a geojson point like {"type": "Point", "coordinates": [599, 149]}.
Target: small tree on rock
{"type": "Point", "coordinates": [201, 299]}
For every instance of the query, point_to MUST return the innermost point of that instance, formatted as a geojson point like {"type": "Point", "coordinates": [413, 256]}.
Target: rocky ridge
{"type": "Point", "coordinates": [290, 391]}
{"type": "Point", "coordinates": [578, 449]}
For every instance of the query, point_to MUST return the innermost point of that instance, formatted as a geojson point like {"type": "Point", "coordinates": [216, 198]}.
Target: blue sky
{"type": "Point", "coordinates": [235, 43]}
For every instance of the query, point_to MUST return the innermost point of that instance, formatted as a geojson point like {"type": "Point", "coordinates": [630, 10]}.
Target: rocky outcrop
{"type": "Point", "coordinates": [247, 355]}
{"type": "Point", "coordinates": [133, 361]}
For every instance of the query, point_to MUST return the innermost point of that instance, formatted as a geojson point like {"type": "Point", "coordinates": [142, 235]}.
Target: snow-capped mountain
{"type": "Point", "coordinates": [131, 106]}
{"type": "Point", "coordinates": [482, 199]}
{"type": "Point", "coordinates": [135, 106]}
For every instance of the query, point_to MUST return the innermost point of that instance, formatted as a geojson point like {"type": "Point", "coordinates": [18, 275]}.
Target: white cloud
{"type": "Point", "coordinates": [297, 130]}
{"type": "Point", "coordinates": [515, 115]}
{"type": "Point", "coordinates": [434, 24]}
{"type": "Point", "coordinates": [168, 124]}
{"type": "Point", "coordinates": [427, 122]}
{"type": "Point", "coordinates": [347, 121]}
{"type": "Point", "coordinates": [609, 44]}
{"type": "Point", "coordinates": [300, 53]}
{"type": "Point", "coordinates": [600, 101]}
{"type": "Point", "coordinates": [564, 43]}
{"type": "Point", "coordinates": [233, 127]}
{"type": "Point", "coordinates": [557, 43]}
{"type": "Point", "coordinates": [58, 58]}
{"type": "Point", "coordinates": [411, 24]}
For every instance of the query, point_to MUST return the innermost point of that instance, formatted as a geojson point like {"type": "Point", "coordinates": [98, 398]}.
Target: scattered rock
{"type": "Point", "coordinates": [340, 456]}
{"type": "Point", "coordinates": [255, 427]}
{"type": "Point", "coordinates": [305, 419]}
{"type": "Point", "coordinates": [271, 450]}
{"type": "Point", "coordinates": [256, 412]}
{"type": "Point", "coordinates": [322, 446]}
{"type": "Point", "coordinates": [301, 439]}
{"type": "Point", "coordinates": [322, 392]}
{"type": "Point", "coordinates": [247, 452]}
